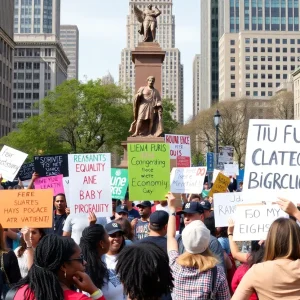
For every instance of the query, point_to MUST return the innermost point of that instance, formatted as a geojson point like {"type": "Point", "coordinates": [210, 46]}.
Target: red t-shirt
{"type": "Point", "coordinates": [68, 295]}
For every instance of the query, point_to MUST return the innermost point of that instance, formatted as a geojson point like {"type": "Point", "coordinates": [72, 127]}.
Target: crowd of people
{"type": "Point", "coordinates": [149, 251]}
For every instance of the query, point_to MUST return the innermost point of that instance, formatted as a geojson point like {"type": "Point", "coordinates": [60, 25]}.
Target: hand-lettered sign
{"type": "Point", "coordinates": [51, 165]}
{"type": "Point", "coordinates": [51, 182]}
{"type": "Point", "coordinates": [119, 183]}
{"type": "Point", "coordinates": [220, 185]}
{"type": "Point", "coordinates": [25, 172]}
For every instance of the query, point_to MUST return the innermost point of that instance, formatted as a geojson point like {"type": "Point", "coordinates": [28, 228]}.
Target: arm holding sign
{"type": "Point", "coordinates": [172, 244]}
{"type": "Point", "coordinates": [289, 207]}
{"type": "Point", "coordinates": [33, 179]}
{"type": "Point", "coordinates": [26, 236]}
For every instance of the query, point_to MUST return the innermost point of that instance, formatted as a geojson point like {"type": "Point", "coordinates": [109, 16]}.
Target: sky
{"type": "Point", "coordinates": [102, 36]}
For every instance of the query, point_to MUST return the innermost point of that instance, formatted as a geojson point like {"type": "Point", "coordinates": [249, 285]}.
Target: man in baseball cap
{"type": "Point", "coordinates": [122, 211]}
{"type": "Point", "coordinates": [206, 207]}
{"type": "Point", "coordinates": [141, 228]}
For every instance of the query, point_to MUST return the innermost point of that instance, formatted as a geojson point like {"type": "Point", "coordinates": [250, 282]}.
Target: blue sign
{"type": "Point", "coordinates": [210, 161]}
{"type": "Point", "coordinates": [241, 176]}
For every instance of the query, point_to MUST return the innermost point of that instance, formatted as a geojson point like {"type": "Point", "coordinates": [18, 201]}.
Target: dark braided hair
{"type": "Point", "coordinates": [89, 243]}
{"type": "Point", "coordinates": [144, 271]}
{"type": "Point", "coordinates": [51, 252]}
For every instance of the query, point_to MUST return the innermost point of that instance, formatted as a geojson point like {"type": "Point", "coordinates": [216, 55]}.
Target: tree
{"type": "Point", "coordinates": [283, 104]}
{"type": "Point", "coordinates": [170, 125]}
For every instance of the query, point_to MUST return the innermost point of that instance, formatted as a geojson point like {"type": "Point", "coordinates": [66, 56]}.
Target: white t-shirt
{"type": "Point", "coordinates": [165, 208]}
{"type": "Point", "coordinates": [23, 262]}
{"type": "Point", "coordinates": [113, 289]}
{"type": "Point", "coordinates": [75, 224]}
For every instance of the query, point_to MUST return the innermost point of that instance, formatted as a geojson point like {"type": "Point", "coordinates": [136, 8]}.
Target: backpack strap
{"type": "Point", "coordinates": [214, 271]}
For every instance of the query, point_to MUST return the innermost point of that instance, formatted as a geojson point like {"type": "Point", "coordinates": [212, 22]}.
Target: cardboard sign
{"type": "Point", "coordinates": [180, 145]}
{"type": "Point", "coordinates": [148, 171]}
{"type": "Point", "coordinates": [25, 172]}
{"type": "Point", "coordinates": [51, 165]}
{"type": "Point", "coordinates": [183, 162]}
{"type": "Point", "coordinates": [31, 208]}
{"type": "Point", "coordinates": [231, 169]}
{"type": "Point", "coordinates": [273, 159]}
{"type": "Point", "coordinates": [215, 175]}
{"type": "Point", "coordinates": [220, 185]}
{"type": "Point", "coordinates": [11, 161]}
{"type": "Point", "coordinates": [52, 182]}
{"type": "Point", "coordinates": [252, 222]}
{"type": "Point", "coordinates": [90, 177]}
{"type": "Point", "coordinates": [66, 183]}
{"type": "Point", "coordinates": [187, 180]}
{"type": "Point", "coordinates": [119, 183]}
{"type": "Point", "coordinates": [226, 154]}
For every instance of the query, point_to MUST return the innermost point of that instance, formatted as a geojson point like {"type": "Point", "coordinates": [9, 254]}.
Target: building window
{"type": "Point", "coordinates": [254, 49]}
{"type": "Point", "coordinates": [232, 94]}
{"type": "Point", "coordinates": [255, 58]}
{"type": "Point", "coordinates": [284, 58]}
{"type": "Point", "coordinates": [270, 94]}
{"type": "Point", "coordinates": [232, 77]}
{"type": "Point", "coordinates": [232, 59]}
{"type": "Point", "coordinates": [232, 42]}
{"type": "Point", "coordinates": [262, 67]}
{"type": "Point", "coordinates": [262, 41]}
{"type": "Point", "coordinates": [255, 93]}
{"type": "Point", "coordinates": [269, 58]}
{"type": "Point", "coordinates": [247, 84]}
{"type": "Point", "coordinates": [277, 41]}
{"type": "Point", "coordinates": [269, 49]}
{"type": "Point", "coordinates": [247, 41]}
{"type": "Point", "coordinates": [232, 68]}
{"type": "Point", "coordinates": [247, 76]}
{"type": "Point", "coordinates": [263, 58]}
{"type": "Point", "coordinates": [255, 76]}
{"type": "Point", "coordinates": [255, 84]}
{"type": "Point", "coordinates": [232, 50]}
{"type": "Point", "coordinates": [263, 76]}
{"type": "Point", "coordinates": [277, 67]}
{"type": "Point", "coordinates": [247, 49]}
{"type": "Point", "coordinates": [263, 84]}
{"type": "Point", "coordinates": [284, 76]}
{"type": "Point", "coordinates": [284, 50]}
{"type": "Point", "coordinates": [270, 67]}
{"type": "Point", "coordinates": [270, 84]}
{"type": "Point", "coordinates": [263, 49]}
{"type": "Point", "coordinates": [284, 41]}
{"type": "Point", "coordinates": [247, 58]}
{"type": "Point", "coordinates": [263, 94]}
{"type": "Point", "coordinates": [247, 93]}
{"type": "Point", "coordinates": [247, 67]}
{"type": "Point", "coordinates": [254, 41]}
{"type": "Point", "coordinates": [270, 76]}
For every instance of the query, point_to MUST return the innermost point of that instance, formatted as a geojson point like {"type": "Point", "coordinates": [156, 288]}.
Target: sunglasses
{"type": "Point", "coordinates": [116, 234]}
{"type": "Point", "coordinates": [80, 259]}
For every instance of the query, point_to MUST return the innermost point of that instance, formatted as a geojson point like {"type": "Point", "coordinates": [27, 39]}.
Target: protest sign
{"type": "Point", "coordinates": [51, 182]}
{"type": "Point", "coordinates": [30, 208]}
{"type": "Point", "coordinates": [226, 154]}
{"type": "Point", "coordinates": [231, 169]}
{"type": "Point", "coordinates": [180, 145]}
{"type": "Point", "coordinates": [215, 174]}
{"type": "Point", "coordinates": [90, 177]}
{"type": "Point", "coordinates": [252, 222]}
{"type": "Point", "coordinates": [273, 159]}
{"type": "Point", "coordinates": [25, 172]}
{"type": "Point", "coordinates": [183, 161]}
{"type": "Point", "coordinates": [220, 185]}
{"type": "Point", "coordinates": [51, 165]}
{"type": "Point", "coordinates": [119, 183]}
{"type": "Point", "coordinates": [148, 171]}
{"type": "Point", "coordinates": [66, 183]}
{"type": "Point", "coordinates": [187, 180]}
{"type": "Point", "coordinates": [11, 161]}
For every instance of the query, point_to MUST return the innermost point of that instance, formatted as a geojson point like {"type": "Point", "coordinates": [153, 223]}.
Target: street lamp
{"type": "Point", "coordinates": [217, 121]}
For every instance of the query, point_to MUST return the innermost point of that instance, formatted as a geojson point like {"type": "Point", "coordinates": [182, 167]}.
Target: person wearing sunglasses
{"type": "Point", "coordinates": [113, 288]}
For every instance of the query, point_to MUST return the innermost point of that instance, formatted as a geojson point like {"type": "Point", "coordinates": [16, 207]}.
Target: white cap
{"type": "Point", "coordinates": [195, 237]}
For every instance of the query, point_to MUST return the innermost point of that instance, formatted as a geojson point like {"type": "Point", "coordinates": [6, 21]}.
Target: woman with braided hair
{"type": "Point", "coordinates": [58, 269]}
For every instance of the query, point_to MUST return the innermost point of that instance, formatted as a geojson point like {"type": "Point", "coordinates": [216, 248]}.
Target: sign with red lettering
{"type": "Point", "coordinates": [183, 161]}
{"type": "Point", "coordinates": [89, 184]}
{"type": "Point", "coordinates": [180, 145]}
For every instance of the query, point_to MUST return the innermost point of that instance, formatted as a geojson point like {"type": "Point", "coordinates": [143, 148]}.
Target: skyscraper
{"type": "Point", "coordinates": [6, 64]}
{"type": "Point", "coordinates": [69, 37]}
{"type": "Point", "coordinates": [196, 83]}
{"type": "Point", "coordinates": [259, 47]}
{"type": "Point", "coordinates": [209, 90]}
{"type": "Point", "coordinates": [172, 69]}
{"type": "Point", "coordinates": [40, 63]}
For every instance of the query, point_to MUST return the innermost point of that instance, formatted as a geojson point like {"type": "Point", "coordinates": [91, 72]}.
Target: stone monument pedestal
{"type": "Point", "coordinates": [148, 59]}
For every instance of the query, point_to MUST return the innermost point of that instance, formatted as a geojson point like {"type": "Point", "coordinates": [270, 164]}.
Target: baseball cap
{"type": "Point", "coordinates": [159, 219]}
{"type": "Point", "coordinates": [122, 209]}
{"type": "Point", "coordinates": [145, 204]}
{"type": "Point", "coordinates": [195, 237]}
{"type": "Point", "coordinates": [113, 227]}
{"type": "Point", "coordinates": [205, 204]}
{"type": "Point", "coordinates": [191, 208]}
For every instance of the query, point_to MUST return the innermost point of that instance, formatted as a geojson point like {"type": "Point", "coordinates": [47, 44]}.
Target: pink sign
{"type": "Point", "coordinates": [183, 161]}
{"type": "Point", "coordinates": [51, 182]}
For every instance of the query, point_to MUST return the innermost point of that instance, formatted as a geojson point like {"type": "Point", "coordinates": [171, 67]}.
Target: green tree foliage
{"type": "Point", "coordinates": [170, 125]}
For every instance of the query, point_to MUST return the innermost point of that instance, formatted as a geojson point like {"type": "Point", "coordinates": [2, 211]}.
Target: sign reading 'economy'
{"type": "Point", "coordinates": [148, 171]}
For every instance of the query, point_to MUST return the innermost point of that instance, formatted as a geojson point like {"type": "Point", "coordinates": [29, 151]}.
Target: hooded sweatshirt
{"type": "Point", "coordinates": [272, 280]}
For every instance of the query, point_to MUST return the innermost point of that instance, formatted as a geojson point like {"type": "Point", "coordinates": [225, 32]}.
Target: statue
{"type": "Point", "coordinates": [147, 110]}
{"type": "Point", "coordinates": [148, 22]}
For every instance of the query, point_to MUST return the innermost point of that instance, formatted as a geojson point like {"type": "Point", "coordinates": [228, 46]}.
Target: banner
{"type": "Point", "coordinates": [273, 159]}
{"type": "Point", "coordinates": [252, 222]}
{"type": "Point", "coordinates": [11, 161]}
{"type": "Point", "coordinates": [51, 165]}
{"type": "Point", "coordinates": [220, 185]}
{"type": "Point", "coordinates": [187, 180]}
{"type": "Point", "coordinates": [148, 171]}
{"type": "Point", "coordinates": [30, 208]}
{"type": "Point", "coordinates": [90, 177]}
{"type": "Point", "coordinates": [231, 169]}
{"type": "Point", "coordinates": [119, 183]}
{"type": "Point", "coordinates": [25, 172]}
{"type": "Point", "coordinates": [180, 145]}
{"type": "Point", "coordinates": [52, 182]}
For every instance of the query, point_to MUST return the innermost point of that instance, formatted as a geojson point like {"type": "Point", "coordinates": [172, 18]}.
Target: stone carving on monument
{"type": "Point", "coordinates": [148, 20]}
{"type": "Point", "coordinates": [147, 111]}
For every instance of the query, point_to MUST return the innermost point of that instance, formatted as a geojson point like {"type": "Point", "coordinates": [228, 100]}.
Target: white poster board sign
{"type": "Point", "coordinates": [231, 169]}
{"type": "Point", "coordinates": [273, 159]}
{"type": "Point", "coordinates": [66, 183]}
{"type": "Point", "coordinates": [11, 160]}
{"type": "Point", "coordinates": [90, 176]}
{"type": "Point", "coordinates": [187, 180]}
{"type": "Point", "coordinates": [252, 223]}
{"type": "Point", "coordinates": [215, 175]}
{"type": "Point", "coordinates": [180, 145]}
{"type": "Point", "coordinates": [226, 154]}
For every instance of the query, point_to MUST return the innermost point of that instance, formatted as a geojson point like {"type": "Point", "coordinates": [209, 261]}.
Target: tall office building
{"type": "Point", "coordinates": [69, 37]}
{"type": "Point", "coordinates": [6, 64]}
{"type": "Point", "coordinates": [40, 63]}
{"type": "Point", "coordinates": [209, 92]}
{"type": "Point", "coordinates": [172, 69]}
{"type": "Point", "coordinates": [259, 47]}
{"type": "Point", "coordinates": [196, 83]}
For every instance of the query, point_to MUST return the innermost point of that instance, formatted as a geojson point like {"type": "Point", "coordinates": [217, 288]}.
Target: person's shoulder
{"type": "Point", "coordinates": [72, 295]}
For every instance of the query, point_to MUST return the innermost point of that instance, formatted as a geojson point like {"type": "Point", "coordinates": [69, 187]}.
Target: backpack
{"type": "Point", "coordinates": [212, 295]}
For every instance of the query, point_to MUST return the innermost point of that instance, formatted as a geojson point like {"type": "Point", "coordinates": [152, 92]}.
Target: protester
{"type": "Point", "coordinates": [58, 266]}
{"type": "Point", "coordinates": [205, 190]}
{"type": "Point", "coordinates": [206, 207]}
{"type": "Point", "coordinates": [195, 198]}
{"type": "Point", "coordinates": [145, 272]}
{"type": "Point", "coordinates": [132, 213]}
{"type": "Point", "coordinates": [240, 188]}
{"type": "Point", "coordinates": [158, 229]}
{"type": "Point", "coordinates": [127, 229]}
{"type": "Point", "coordinates": [196, 274]}
{"type": "Point", "coordinates": [161, 205]}
{"type": "Point", "coordinates": [140, 226]}
{"type": "Point", "coordinates": [29, 241]}
{"type": "Point", "coordinates": [222, 236]}
{"type": "Point", "coordinates": [280, 268]}
{"type": "Point", "coordinates": [94, 243]}
{"type": "Point", "coordinates": [113, 288]}
{"type": "Point", "coordinates": [121, 212]}
{"type": "Point", "coordinates": [232, 187]}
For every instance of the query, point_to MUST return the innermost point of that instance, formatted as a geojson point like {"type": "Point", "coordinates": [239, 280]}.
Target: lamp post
{"type": "Point", "coordinates": [217, 120]}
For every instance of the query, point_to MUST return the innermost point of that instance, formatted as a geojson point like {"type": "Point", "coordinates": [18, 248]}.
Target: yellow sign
{"type": "Point", "coordinates": [220, 185]}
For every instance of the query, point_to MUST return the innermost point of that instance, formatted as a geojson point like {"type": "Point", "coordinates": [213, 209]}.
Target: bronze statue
{"type": "Point", "coordinates": [147, 110]}
{"type": "Point", "coordinates": [148, 22]}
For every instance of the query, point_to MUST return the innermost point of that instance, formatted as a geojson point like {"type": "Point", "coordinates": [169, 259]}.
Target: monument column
{"type": "Point", "coordinates": [148, 59]}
